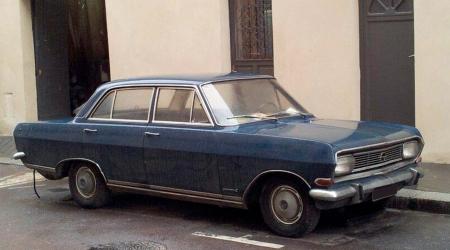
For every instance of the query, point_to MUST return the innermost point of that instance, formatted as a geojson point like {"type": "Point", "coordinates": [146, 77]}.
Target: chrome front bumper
{"type": "Point", "coordinates": [18, 156]}
{"type": "Point", "coordinates": [359, 190]}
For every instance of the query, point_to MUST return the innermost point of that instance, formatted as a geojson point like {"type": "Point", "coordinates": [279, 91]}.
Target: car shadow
{"type": "Point", "coordinates": [351, 220]}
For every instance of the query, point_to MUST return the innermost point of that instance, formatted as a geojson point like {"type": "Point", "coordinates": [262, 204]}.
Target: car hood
{"type": "Point", "coordinates": [339, 134]}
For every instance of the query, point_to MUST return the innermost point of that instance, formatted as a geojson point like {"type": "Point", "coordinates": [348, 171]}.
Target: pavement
{"type": "Point", "coordinates": [143, 222]}
{"type": "Point", "coordinates": [432, 194]}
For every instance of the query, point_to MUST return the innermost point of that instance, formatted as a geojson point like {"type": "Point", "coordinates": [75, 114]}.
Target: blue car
{"type": "Point", "coordinates": [234, 140]}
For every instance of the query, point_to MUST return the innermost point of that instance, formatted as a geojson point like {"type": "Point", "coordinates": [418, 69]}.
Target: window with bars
{"type": "Point", "coordinates": [251, 36]}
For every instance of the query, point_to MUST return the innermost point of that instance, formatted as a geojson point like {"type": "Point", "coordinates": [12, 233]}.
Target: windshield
{"type": "Point", "coordinates": [243, 101]}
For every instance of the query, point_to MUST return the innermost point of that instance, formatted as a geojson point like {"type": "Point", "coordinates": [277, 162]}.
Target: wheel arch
{"type": "Point", "coordinates": [253, 189]}
{"type": "Point", "coordinates": [63, 167]}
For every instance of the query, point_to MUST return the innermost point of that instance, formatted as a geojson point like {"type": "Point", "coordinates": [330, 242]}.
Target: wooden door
{"type": "Point", "coordinates": [50, 31]}
{"type": "Point", "coordinates": [387, 60]}
{"type": "Point", "coordinates": [251, 36]}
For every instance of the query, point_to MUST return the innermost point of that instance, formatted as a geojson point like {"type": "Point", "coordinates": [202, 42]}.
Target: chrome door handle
{"type": "Point", "coordinates": [151, 134]}
{"type": "Point", "coordinates": [88, 130]}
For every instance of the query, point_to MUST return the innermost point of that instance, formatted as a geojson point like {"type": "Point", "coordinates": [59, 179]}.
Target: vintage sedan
{"type": "Point", "coordinates": [235, 140]}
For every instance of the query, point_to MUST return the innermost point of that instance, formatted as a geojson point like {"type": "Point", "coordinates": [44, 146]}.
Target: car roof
{"type": "Point", "coordinates": [183, 79]}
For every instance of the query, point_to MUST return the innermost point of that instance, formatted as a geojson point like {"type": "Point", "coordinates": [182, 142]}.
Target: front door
{"type": "Point", "coordinates": [179, 142]}
{"type": "Point", "coordinates": [387, 60]}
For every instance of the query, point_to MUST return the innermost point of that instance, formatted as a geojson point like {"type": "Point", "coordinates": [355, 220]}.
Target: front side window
{"type": "Point", "coordinates": [198, 113]}
{"type": "Point", "coordinates": [125, 104]}
{"type": "Point", "coordinates": [242, 101]}
{"type": "Point", "coordinates": [179, 105]}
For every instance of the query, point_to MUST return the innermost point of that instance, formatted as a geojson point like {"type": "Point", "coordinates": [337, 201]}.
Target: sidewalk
{"type": "Point", "coordinates": [432, 194]}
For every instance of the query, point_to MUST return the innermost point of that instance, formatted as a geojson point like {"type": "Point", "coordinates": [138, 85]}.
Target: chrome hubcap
{"type": "Point", "coordinates": [286, 204]}
{"type": "Point", "coordinates": [85, 182]}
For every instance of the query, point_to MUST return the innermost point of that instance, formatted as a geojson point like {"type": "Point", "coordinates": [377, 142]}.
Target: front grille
{"type": "Point", "coordinates": [377, 158]}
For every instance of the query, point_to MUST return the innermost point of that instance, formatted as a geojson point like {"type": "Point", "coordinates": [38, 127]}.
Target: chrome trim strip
{"type": "Point", "coordinates": [247, 189]}
{"type": "Point", "coordinates": [83, 159]}
{"type": "Point", "coordinates": [180, 194]}
{"type": "Point", "coordinates": [112, 104]}
{"type": "Point", "coordinates": [18, 155]}
{"type": "Point", "coordinates": [373, 172]}
{"type": "Point", "coordinates": [377, 150]}
{"type": "Point", "coordinates": [340, 193]}
{"type": "Point", "coordinates": [182, 123]}
{"type": "Point", "coordinates": [117, 120]}
{"type": "Point", "coordinates": [332, 195]}
{"type": "Point", "coordinates": [40, 168]}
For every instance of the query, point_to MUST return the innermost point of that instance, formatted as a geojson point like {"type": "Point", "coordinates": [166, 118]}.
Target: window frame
{"type": "Point", "coordinates": [115, 90]}
{"type": "Point", "coordinates": [196, 93]}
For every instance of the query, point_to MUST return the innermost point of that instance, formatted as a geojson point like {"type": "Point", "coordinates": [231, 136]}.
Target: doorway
{"type": "Point", "coordinates": [387, 60]}
{"type": "Point", "coordinates": [251, 36]}
{"type": "Point", "coordinates": [71, 54]}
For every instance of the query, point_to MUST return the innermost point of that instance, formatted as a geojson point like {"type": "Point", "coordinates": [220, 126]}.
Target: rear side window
{"type": "Point", "coordinates": [125, 104]}
{"type": "Point", "coordinates": [179, 105]}
{"type": "Point", "coordinates": [103, 110]}
{"type": "Point", "coordinates": [132, 104]}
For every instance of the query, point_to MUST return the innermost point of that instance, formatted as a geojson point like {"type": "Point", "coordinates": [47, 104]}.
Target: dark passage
{"type": "Point", "coordinates": [71, 53]}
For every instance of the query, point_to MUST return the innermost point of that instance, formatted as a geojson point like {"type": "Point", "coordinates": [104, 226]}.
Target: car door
{"type": "Point", "coordinates": [114, 132]}
{"type": "Point", "coordinates": [179, 142]}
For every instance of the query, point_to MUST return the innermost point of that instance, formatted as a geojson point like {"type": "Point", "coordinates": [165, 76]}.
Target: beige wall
{"type": "Point", "coordinates": [432, 67]}
{"type": "Point", "coordinates": [17, 81]}
{"type": "Point", "coordinates": [157, 37]}
{"type": "Point", "coordinates": [316, 53]}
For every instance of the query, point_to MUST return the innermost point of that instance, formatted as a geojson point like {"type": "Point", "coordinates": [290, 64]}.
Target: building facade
{"type": "Point", "coordinates": [367, 59]}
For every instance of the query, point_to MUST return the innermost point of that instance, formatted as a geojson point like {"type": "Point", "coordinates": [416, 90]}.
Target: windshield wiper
{"type": "Point", "coordinates": [261, 117]}
{"type": "Point", "coordinates": [285, 112]}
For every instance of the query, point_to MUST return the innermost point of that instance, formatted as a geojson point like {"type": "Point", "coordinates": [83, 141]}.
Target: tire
{"type": "Point", "coordinates": [88, 187]}
{"type": "Point", "coordinates": [287, 208]}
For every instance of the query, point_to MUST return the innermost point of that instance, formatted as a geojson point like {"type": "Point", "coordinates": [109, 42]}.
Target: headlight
{"type": "Point", "coordinates": [410, 149]}
{"type": "Point", "coordinates": [344, 165]}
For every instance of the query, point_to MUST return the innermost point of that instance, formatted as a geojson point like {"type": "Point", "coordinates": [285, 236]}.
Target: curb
{"type": "Point", "coordinates": [418, 200]}
{"type": "Point", "coordinates": [9, 161]}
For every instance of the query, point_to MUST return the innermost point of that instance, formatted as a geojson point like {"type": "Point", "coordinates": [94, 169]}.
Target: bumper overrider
{"type": "Point", "coordinates": [372, 188]}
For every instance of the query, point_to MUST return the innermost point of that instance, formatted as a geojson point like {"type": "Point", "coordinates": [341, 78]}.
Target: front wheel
{"type": "Point", "coordinates": [87, 186]}
{"type": "Point", "coordinates": [287, 208]}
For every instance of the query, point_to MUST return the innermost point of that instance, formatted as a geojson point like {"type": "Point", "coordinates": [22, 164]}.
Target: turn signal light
{"type": "Point", "coordinates": [324, 182]}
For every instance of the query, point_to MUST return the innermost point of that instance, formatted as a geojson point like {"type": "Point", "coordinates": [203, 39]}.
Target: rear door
{"type": "Point", "coordinates": [113, 134]}
{"type": "Point", "coordinates": [179, 142]}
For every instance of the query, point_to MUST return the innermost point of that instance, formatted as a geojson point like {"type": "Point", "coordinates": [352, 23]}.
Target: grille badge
{"type": "Point", "coordinates": [383, 156]}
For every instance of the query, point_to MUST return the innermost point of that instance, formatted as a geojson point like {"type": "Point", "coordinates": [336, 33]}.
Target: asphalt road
{"type": "Point", "coordinates": [141, 222]}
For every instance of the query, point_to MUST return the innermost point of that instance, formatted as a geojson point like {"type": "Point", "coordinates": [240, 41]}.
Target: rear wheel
{"type": "Point", "coordinates": [287, 208]}
{"type": "Point", "coordinates": [87, 186]}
